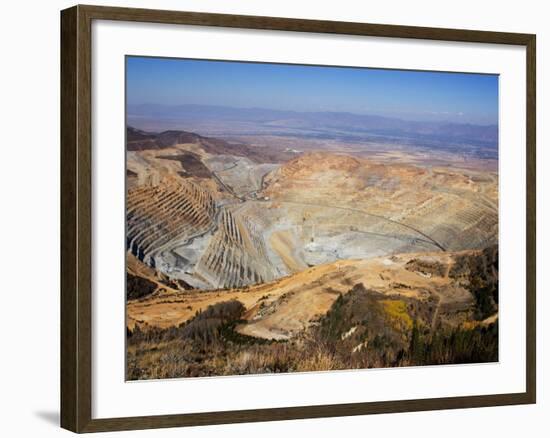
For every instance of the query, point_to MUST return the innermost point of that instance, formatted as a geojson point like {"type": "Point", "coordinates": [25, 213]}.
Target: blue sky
{"type": "Point", "coordinates": [412, 95]}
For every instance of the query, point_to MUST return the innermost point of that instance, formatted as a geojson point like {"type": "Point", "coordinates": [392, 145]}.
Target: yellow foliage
{"type": "Point", "coordinates": [397, 311]}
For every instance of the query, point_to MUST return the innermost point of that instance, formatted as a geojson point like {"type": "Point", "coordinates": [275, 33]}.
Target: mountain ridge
{"type": "Point", "coordinates": [321, 120]}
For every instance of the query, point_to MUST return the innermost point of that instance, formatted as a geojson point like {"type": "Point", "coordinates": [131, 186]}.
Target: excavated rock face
{"type": "Point", "coordinates": [176, 228]}
{"type": "Point", "coordinates": [159, 215]}
{"type": "Point", "coordinates": [236, 255]}
{"type": "Point", "coordinates": [215, 215]}
{"type": "Point", "coordinates": [454, 210]}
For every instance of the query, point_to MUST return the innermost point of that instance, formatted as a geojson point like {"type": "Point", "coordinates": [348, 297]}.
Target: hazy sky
{"type": "Point", "coordinates": [413, 95]}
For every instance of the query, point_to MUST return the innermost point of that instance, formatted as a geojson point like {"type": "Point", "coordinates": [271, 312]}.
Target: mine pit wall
{"type": "Point", "coordinates": [159, 214]}
{"type": "Point", "coordinates": [168, 215]}
{"type": "Point", "coordinates": [471, 226]}
{"type": "Point", "coordinates": [236, 255]}
{"type": "Point", "coordinates": [241, 174]}
{"type": "Point", "coordinates": [163, 217]}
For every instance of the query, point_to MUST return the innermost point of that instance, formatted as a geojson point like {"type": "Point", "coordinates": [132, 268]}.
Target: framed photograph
{"type": "Point", "coordinates": [270, 218]}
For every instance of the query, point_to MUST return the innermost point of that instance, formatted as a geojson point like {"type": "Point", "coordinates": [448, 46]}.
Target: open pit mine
{"type": "Point", "coordinates": [286, 234]}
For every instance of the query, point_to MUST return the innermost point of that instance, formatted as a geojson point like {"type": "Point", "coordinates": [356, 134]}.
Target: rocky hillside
{"type": "Point", "coordinates": [405, 310]}
{"type": "Point", "coordinates": [433, 289]}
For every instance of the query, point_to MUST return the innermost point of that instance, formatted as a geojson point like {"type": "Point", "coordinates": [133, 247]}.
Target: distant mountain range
{"type": "Point", "coordinates": [322, 124]}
